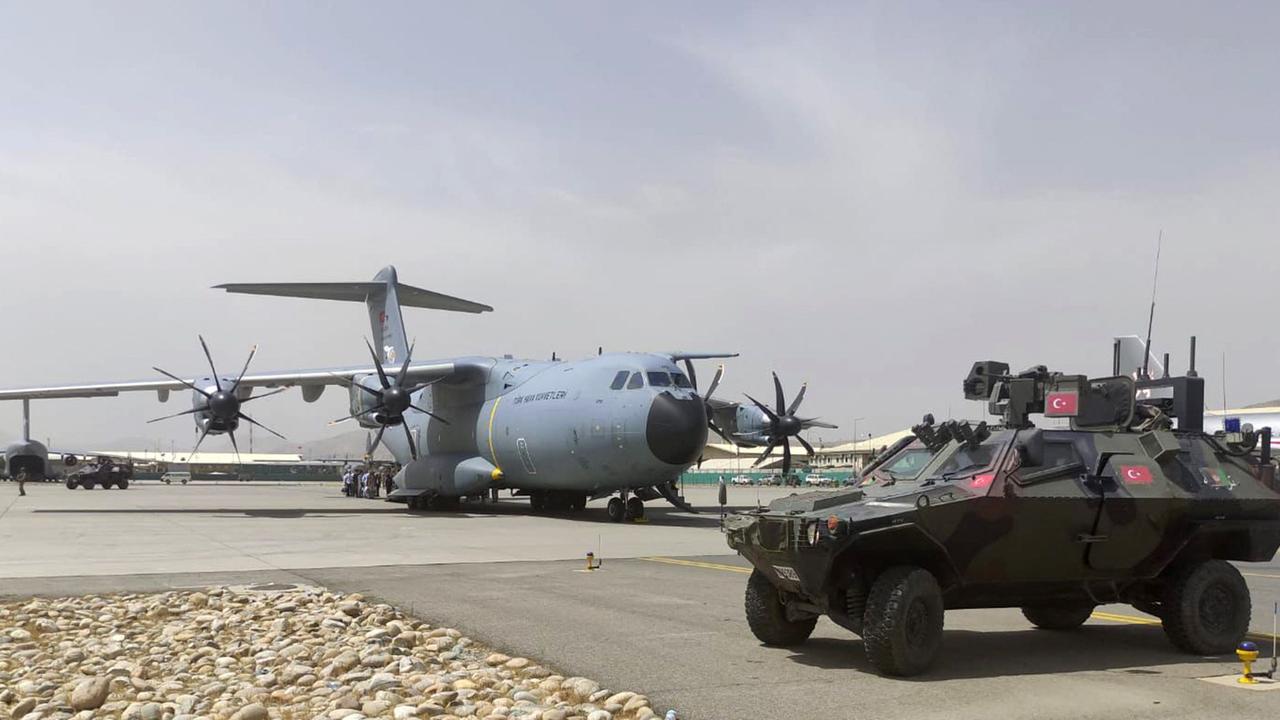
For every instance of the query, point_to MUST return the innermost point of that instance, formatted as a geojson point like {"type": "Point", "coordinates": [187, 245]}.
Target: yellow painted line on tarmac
{"type": "Point", "coordinates": [1135, 620]}
{"type": "Point", "coordinates": [698, 564]}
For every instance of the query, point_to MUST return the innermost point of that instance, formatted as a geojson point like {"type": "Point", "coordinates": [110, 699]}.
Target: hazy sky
{"type": "Point", "coordinates": [868, 197]}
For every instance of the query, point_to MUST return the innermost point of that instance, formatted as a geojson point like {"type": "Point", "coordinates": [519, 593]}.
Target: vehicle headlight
{"type": "Point", "coordinates": [814, 532]}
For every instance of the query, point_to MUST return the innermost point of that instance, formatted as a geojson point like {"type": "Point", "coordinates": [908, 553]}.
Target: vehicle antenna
{"type": "Point", "coordinates": [1146, 355]}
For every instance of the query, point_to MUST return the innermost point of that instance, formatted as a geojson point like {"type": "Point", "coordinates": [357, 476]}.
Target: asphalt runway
{"type": "Point", "coordinates": [662, 616]}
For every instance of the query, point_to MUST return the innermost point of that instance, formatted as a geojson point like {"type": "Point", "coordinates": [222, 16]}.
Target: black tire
{"type": "Point", "coordinates": [767, 616]}
{"type": "Point", "coordinates": [577, 502]}
{"type": "Point", "coordinates": [123, 483]}
{"type": "Point", "coordinates": [71, 484]}
{"type": "Point", "coordinates": [635, 508]}
{"type": "Point", "coordinates": [902, 629]}
{"type": "Point", "coordinates": [1058, 617]}
{"type": "Point", "coordinates": [1206, 608]}
{"type": "Point", "coordinates": [616, 509]}
{"type": "Point", "coordinates": [86, 484]}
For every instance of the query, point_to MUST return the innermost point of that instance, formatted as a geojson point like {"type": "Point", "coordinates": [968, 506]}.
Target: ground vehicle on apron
{"type": "Point", "coordinates": [1132, 502]}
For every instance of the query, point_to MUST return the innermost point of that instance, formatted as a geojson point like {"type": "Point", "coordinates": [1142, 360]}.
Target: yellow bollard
{"type": "Point", "coordinates": [1247, 652]}
{"type": "Point", "coordinates": [591, 562]}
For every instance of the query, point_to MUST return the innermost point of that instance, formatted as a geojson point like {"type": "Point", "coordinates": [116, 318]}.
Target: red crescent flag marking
{"type": "Point", "coordinates": [1135, 474]}
{"type": "Point", "coordinates": [1061, 404]}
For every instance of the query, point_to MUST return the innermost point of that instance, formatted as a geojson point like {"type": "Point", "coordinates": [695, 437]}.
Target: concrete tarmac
{"type": "Point", "coordinates": [663, 616]}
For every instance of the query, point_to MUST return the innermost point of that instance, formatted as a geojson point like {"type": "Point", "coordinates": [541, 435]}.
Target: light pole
{"type": "Point", "coordinates": [856, 464]}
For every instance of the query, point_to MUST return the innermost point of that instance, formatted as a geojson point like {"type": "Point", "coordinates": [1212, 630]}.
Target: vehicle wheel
{"type": "Point", "coordinates": [537, 500]}
{"type": "Point", "coordinates": [617, 509]}
{"type": "Point", "coordinates": [71, 484]}
{"type": "Point", "coordinates": [86, 484]}
{"type": "Point", "coordinates": [1058, 617]}
{"type": "Point", "coordinates": [902, 629]}
{"type": "Point", "coordinates": [123, 484]}
{"type": "Point", "coordinates": [183, 481]}
{"type": "Point", "coordinates": [767, 616]}
{"type": "Point", "coordinates": [635, 508]}
{"type": "Point", "coordinates": [1206, 608]}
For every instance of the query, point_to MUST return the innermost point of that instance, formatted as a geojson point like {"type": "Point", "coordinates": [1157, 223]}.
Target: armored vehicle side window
{"type": "Point", "coordinates": [909, 463]}
{"type": "Point", "coordinates": [659, 379]}
{"type": "Point", "coordinates": [637, 381]}
{"type": "Point", "coordinates": [680, 380]}
{"type": "Point", "coordinates": [619, 380]}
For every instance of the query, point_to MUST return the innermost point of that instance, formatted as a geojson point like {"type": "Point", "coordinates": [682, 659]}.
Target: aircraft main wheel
{"type": "Point", "coordinates": [767, 616]}
{"type": "Point", "coordinates": [1058, 617]}
{"type": "Point", "coordinates": [635, 508]}
{"type": "Point", "coordinates": [902, 628]}
{"type": "Point", "coordinates": [1206, 608]}
{"type": "Point", "coordinates": [617, 509]}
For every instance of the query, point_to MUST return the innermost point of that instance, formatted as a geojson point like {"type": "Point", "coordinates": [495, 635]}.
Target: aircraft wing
{"type": "Point", "coordinates": [418, 372]}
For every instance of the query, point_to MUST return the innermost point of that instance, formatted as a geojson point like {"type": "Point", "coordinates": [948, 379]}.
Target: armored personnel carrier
{"type": "Point", "coordinates": [1120, 497]}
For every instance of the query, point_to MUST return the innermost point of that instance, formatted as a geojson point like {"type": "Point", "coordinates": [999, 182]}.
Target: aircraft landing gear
{"type": "Point", "coordinates": [537, 500]}
{"type": "Point", "coordinates": [625, 507]}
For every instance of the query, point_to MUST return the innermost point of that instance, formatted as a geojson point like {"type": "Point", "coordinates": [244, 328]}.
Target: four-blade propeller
{"type": "Point", "coordinates": [222, 406]}
{"type": "Point", "coordinates": [783, 425]}
{"type": "Point", "coordinates": [391, 401]}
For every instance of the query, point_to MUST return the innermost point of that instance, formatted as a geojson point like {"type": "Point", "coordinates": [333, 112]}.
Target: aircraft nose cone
{"type": "Point", "coordinates": [677, 429]}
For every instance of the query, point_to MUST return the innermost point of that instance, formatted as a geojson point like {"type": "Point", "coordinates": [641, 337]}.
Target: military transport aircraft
{"type": "Point", "coordinates": [623, 424]}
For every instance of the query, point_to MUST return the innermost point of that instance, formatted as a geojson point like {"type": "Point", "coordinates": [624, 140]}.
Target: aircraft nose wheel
{"type": "Point", "coordinates": [616, 509]}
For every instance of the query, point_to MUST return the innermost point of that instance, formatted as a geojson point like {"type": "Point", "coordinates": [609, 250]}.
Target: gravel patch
{"type": "Point", "coordinates": [279, 651]}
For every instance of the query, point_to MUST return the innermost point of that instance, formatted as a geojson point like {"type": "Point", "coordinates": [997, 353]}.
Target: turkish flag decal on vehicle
{"type": "Point", "coordinates": [1062, 404]}
{"type": "Point", "coordinates": [1135, 474]}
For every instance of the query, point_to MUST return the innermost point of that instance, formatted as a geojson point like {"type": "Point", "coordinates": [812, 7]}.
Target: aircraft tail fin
{"type": "Point", "coordinates": [384, 297]}
{"type": "Point", "coordinates": [1132, 352]}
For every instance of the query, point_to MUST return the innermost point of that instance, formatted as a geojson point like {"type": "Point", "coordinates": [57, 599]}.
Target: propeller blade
{"type": "Point", "coordinates": [217, 383]}
{"type": "Point", "coordinates": [715, 383]}
{"type": "Point", "coordinates": [251, 421]}
{"type": "Point", "coordinates": [203, 435]}
{"type": "Point", "coordinates": [184, 412]}
{"type": "Point", "coordinates": [716, 429]}
{"type": "Point", "coordinates": [402, 378]}
{"type": "Point", "coordinates": [375, 408]}
{"type": "Point", "coordinates": [377, 438]}
{"type": "Point", "coordinates": [413, 449]}
{"type": "Point", "coordinates": [777, 388]}
{"type": "Point", "coordinates": [428, 412]}
{"type": "Point", "coordinates": [232, 434]}
{"type": "Point", "coordinates": [171, 376]}
{"type": "Point", "coordinates": [377, 363]}
{"type": "Point", "coordinates": [348, 383]}
{"type": "Point", "coordinates": [795, 404]}
{"type": "Point", "coordinates": [693, 375]}
{"type": "Point", "coordinates": [772, 416]}
{"type": "Point", "coordinates": [765, 455]}
{"type": "Point", "coordinates": [252, 351]}
{"type": "Point", "coordinates": [786, 456]}
{"type": "Point", "coordinates": [368, 443]}
{"type": "Point", "coordinates": [807, 446]}
{"type": "Point", "coordinates": [259, 397]}
{"type": "Point", "coordinates": [814, 422]}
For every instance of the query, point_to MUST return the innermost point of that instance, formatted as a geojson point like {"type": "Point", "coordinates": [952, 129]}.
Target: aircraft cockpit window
{"type": "Point", "coordinates": [637, 381]}
{"type": "Point", "coordinates": [680, 380]}
{"type": "Point", "coordinates": [619, 380]}
{"type": "Point", "coordinates": [659, 379]}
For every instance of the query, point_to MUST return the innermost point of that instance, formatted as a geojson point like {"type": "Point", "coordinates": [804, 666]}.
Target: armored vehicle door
{"type": "Point", "coordinates": [1135, 502]}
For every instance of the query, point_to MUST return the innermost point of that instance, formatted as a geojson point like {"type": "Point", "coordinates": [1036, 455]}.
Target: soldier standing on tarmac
{"type": "Point", "coordinates": [22, 481]}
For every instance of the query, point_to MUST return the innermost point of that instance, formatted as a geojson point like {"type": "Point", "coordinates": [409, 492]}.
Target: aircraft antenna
{"type": "Point", "coordinates": [1151, 317]}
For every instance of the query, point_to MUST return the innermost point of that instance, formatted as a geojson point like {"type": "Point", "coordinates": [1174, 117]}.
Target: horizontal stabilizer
{"type": "Point", "coordinates": [358, 292]}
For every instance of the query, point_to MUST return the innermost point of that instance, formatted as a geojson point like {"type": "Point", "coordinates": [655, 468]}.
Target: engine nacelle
{"type": "Point", "coordinates": [362, 403]}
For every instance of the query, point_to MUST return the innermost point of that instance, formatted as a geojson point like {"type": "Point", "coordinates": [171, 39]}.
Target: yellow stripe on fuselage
{"type": "Point", "coordinates": [493, 456]}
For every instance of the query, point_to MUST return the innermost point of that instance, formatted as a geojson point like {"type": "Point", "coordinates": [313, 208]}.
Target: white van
{"type": "Point", "coordinates": [172, 477]}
